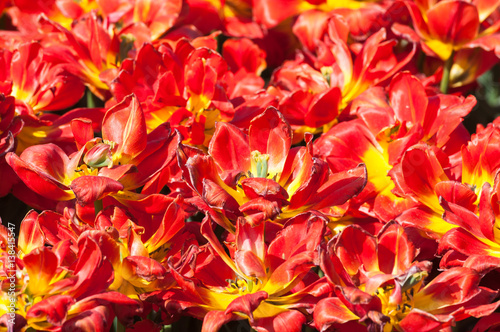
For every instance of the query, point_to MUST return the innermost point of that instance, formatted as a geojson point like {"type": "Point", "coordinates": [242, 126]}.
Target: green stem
{"type": "Point", "coordinates": [117, 326]}
{"type": "Point", "coordinates": [421, 61]}
{"type": "Point", "coordinates": [445, 80]}
{"type": "Point", "coordinates": [90, 99]}
{"type": "Point", "coordinates": [97, 206]}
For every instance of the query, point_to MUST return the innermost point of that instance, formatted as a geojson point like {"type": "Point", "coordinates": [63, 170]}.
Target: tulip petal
{"type": "Point", "coordinates": [246, 304]}
{"type": "Point", "coordinates": [270, 133]}
{"type": "Point", "coordinates": [331, 311]}
{"type": "Point", "coordinates": [291, 321]}
{"type": "Point", "coordinates": [30, 235]}
{"type": "Point", "coordinates": [125, 125]}
{"type": "Point", "coordinates": [53, 309]}
{"type": "Point", "coordinates": [230, 148]}
{"type": "Point", "coordinates": [418, 320]}
{"type": "Point", "coordinates": [455, 22]}
{"type": "Point", "coordinates": [341, 187]}
{"type": "Point", "coordinates": [214, 320]}
{"type": "Point", "coordinates": [89, 189]}
{"type": "Point", "coordinates": [395, 251]}
{"type": "Point", "coordinates": [357, 249]}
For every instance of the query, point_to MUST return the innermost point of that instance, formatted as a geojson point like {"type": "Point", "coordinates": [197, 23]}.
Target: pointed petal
{"type": "Point", "coordinates": [418, 320]}
{"type": "Point", "coordinates": [230, 148]}
{"type": "Point", "coordinates": [53, 309]}
{"type": "Point", "coordinates": [292, 321]}
{"type": "Point", "coordinates": [82, 131]}
{"type": "Point", "coordinates": [30, 235]}
{"type": "Point", "coordinates": [357, 249]}
{"type": "Point", "coordinates": [341, 187]}
{"type": "Point", "coordinates": [214, 320]}
{"type": "Point", "coordinates": [332, 311]}
{"type": "Point", "coordinates": [246, 304]}
{"type": "Point", "coordinates": [466, 243]}
{"type": "Point", "coordinates": [455, 22]}
{"type": "Point", "coordinates": [395, 251]}
{"type": "Point", "coordinates": [171, 224]}
{"type": "Point", "coordinates": [89, 189]}
{"type": "Point", "coordinates": [408, 98]}
{"type": "Point", "coordinates": [450, 287]}
{"type": "Point", "coordinates": [269, 133]}
{"type": "Point", "coordinates": [251, 238]}
{"type": "Point", "coordinates": [42, 168]}
{"type": "Point", "coordinates": [124, 124]}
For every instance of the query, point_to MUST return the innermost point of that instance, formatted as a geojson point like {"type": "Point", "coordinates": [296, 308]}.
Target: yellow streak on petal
{"type": "Point", "coordinates": [377, 168]}
{"type": "Point", "coordinates": [443, 50]}
{"type": "Point", "coordinates": [437, 225]}
{"type": "Point", "coordinates": [332, 4]}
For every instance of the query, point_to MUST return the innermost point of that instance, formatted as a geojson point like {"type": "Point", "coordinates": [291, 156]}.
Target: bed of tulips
{"type": "Point", "coordinates": [292, 165]}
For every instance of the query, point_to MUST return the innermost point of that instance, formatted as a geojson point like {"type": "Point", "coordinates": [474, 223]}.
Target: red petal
{"type": "Point", "coordinates": [489, 323]}
{"type": "Point", "coordinates": [331, 311]}
{"type": "Point", "coordinates": [251, 238]}
{"type": "Point", "coordinates": [246, 304]}
{"type": "Point", "coordinates": [89, 189]}
{"type": "Point", "coordinates": [313, 178]}
{"type": "Point", "coordinates": [408, 99]}
{"type": "Point", "coordinates": [230, 148]}
{"type": "Point", "coordinates": [94, 272]}
{"type": "Point", "coordinates": [269, 133]}
{"type": "Point", "coordinates": [217, 198]}
{"type": "Point", "coordinates": [323, 108]}
{"type": "Point", "coordinates": [450, 287]}
{"type": "Point", "coordinates": [265, 188]}
{"type": "Point", "coordinates": [272, 13]}
{"type": "Point", "coordinates": [310, 27]}
{"type": "Point", "coordinates": [357, 249]}
{"type": "Point", "coordinates": [53, 309]}
{"type": "Point", "coordinates": [395, 251]}
{"type": "Point", "coordinates": [300, 234]}
{"type": "Point", "coordinates": [457, 193]}
{"type": "Point", "coordinates": [464, 242]}
{"type": "Point", "coordinates": [455, 22]}
{"type": "Point", "coordinates": [487, 217]}
{"type": "Point", "coordinates": [171, 224]}
{"type": "Point", "coordinates": [82, 131]}
{"type": "Point", "coordinates": [341, 187]}
{"type": "Point", "coordinates": [30, 235]}
{"type": "Point", "coordinates": [260, 209]}
{"type": "Point", "coordinates": [42, 170]}
{"type": "Point", "coordinates": [120, 305]}
{"type": "Point", "coordinates": [422, 171]}
{"type": "Point", "coordinates": [249, 264]}
{"type": "Point", "coordinates": [214, 320]}
{"type": "Point", "coordinates": [124, 124]}
{"type": "Point", "coordinates": [299, 264]}
{"type": "Point", "coordinates": [418, 320]}
{"type": "Point", "coordinates": [291, 321]}
{"type": "Point", "coordinates": [142, 267]}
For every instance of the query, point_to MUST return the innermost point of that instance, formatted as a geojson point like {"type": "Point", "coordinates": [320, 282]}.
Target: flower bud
{"type": "Point", "coordinates": [99, 156]}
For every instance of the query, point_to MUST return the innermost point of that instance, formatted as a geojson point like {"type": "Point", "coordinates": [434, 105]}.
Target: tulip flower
{"type": "Point", "coordinates": [184, 86]}
{"type": "Point", "coordinates": [446, 27]}
{"type": "Point", "coordinates": [124, 153]}
{"type": "Point", "coordinates": [259, 176]}
{"type": "Point", "coordinates": [90, 48]}
{"type": "Point", "coordinates": [388, 125]}
{"type": "Point", "coordinates": [379, 286]}
{"type": "Point", "coordinates": [337, 79]}
{"type": "Point", "coordinates": [427, 175]}
{"type": "Point", "coordinates": [257, 282]}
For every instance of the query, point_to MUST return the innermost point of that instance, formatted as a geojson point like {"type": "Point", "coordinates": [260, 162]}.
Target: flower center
{"type": "Point", "coordinates": [259, 164]}
{"type": "Point", "coordinates": [241, 286]}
